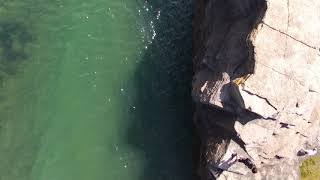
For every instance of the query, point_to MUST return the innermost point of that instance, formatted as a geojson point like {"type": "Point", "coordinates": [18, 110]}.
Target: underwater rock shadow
{"type": "Point", "coordinates": [162, 124]}
{"type": "Point", "coordinates": [14, 38]}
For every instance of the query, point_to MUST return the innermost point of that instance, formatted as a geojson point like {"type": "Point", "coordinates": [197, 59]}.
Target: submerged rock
{"type": "Point", "coordinates": [256, 85]}
{"type": "Point", "coordinates": [13, 39]}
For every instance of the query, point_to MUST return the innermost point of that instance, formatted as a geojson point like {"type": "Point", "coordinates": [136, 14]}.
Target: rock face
{"type": "Point", "coordinates": [256, 86]}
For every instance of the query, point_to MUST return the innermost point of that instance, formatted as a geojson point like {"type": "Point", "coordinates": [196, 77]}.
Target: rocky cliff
{"type": "Point", "coordinates": [256, 87]}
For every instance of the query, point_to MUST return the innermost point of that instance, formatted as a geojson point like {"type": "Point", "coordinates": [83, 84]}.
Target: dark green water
{"type": "Point", "coordinates": [95, 90]}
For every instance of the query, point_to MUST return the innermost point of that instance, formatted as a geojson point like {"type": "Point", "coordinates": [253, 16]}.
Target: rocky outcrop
{"type": "Point", "coordinates": [256, 86]}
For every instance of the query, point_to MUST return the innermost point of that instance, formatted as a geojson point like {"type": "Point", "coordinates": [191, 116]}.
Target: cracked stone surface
{"type": "Point", "coordinates": [257, 73]}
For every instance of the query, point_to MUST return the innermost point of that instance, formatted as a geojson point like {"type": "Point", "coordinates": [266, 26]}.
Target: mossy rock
{"type": "Point", "coordinates": [310, 168]}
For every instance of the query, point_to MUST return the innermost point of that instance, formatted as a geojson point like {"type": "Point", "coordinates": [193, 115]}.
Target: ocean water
{"type": "Point", "coordinates": [96, 90]}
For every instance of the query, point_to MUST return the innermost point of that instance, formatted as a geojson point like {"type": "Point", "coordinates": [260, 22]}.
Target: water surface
{"type": "Point", "coordinates": [95, 90]}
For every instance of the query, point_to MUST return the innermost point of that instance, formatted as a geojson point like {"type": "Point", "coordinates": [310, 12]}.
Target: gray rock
{"type": "Point", "coordinates": [257, 83]}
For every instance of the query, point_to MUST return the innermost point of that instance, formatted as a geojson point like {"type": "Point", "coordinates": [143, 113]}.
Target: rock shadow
{"type": "Point", "coordinates": [163, 129]}
{"type": "Point", "coordinates": [224, 54]}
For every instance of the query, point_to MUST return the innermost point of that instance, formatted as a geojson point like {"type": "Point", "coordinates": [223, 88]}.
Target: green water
{"type": "Point", "coordinates": [95, 90]}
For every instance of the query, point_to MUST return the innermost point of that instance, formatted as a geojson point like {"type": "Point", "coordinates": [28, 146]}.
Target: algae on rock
{"type": "Point", "coordinates": [310, 168]}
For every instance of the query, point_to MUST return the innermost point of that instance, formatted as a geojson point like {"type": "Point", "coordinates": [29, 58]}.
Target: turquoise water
{"type": "Point", "coordinates": [95, 90]}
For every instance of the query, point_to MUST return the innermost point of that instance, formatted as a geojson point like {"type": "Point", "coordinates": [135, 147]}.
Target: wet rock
{"type": "Point", "coordinates": [257, 82]}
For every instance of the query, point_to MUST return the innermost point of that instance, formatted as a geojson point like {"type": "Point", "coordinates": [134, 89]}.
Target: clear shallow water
{"type": "Point", "coordinates": [95, 90]}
